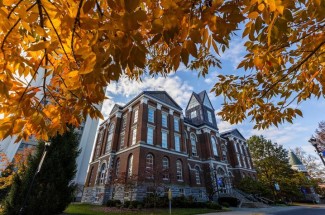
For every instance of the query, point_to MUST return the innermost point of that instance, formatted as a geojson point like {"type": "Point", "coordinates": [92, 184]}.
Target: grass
{"type": "Point", "coordinates": [86, 209]}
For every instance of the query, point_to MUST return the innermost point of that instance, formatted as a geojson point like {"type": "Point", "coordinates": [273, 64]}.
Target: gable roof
{"type": "Point", "coordinates": [293, 159]}
{"type": "Point", "coordinates": [200, 97]}
{"type": "Point", "coordinates": [233, 132]}
{"type": "Point", "coordinates": [164, 97]}
{"type": "Point", "coordinates": [116, 107]}
{"type": "Point", "coordinates": [207, 102]}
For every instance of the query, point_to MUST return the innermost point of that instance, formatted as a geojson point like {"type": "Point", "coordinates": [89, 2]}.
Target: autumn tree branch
{"type": "Point", "coordinates": [76, 21]}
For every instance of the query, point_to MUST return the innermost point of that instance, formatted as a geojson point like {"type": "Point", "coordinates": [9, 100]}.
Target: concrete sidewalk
{"type": "Point", "coordinates": [256, 211]}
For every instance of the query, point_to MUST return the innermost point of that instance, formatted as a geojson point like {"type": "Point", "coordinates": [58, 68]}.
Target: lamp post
{"type": "Point", "coordinates": [313, 142]}
{"type": "Point", "coordinates": [46, 148]}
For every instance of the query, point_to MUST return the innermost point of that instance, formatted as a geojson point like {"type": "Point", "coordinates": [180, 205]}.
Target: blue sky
{"type": "Point", "coordinates": [181, 84]}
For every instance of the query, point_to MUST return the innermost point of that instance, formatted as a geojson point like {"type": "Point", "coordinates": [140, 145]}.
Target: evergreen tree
{"type": "Point", "coordinates": [52, 190]}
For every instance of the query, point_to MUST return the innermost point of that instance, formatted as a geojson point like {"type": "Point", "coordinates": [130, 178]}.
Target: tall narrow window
{"type": "Point", "coordinates": [99, 143]}
{"type": "Point", "coordinates": [179, 170]}
{"type": "Point", "coordinates": [214, 146]}
{"type": "Point", "coordinates": [165, 162]}
{"type": "Point", "coordinates": [176, 124]}
{"type": "Point", "coordinates": [193, 114]}
{"type": "Point", "coordinates": [102, 173]}
{"type": "Point", "coordinates": [209, 116]}
{"type": "Point", "coordinates": [193, 144]}
{"type": "Point", "coordinates": [197, 175]}
{"type": "Point", "coordinates": [164, 139]}
{"type": "Point", "coordinates": [224, 153]}
{"type": "Point", "coordinates": [90, 175]}
{"type": "Point", "coordinates": [149, 166]}
{"type": "Point", "coordinates": [164, 120]}
{"type": "Point", "coordinates": [134, 136]}
{"type": "Point", "coordinates": [239, 160]}
{"type": "Point", "coordinates": [151, 115]}
{"type": "Point", "coordinates": [122, 141]}
{"type": "Point", "coordinates": [135, 115]}
{"type": "Point", "coordinates": [150, 135]}
{"type": "Point", "coordinates": [117, 168]}
{"type": "Point", "coordinates": [109, 138]}
{"type": "Point", "coordinates": [177, 143]}
{"type": "Point", "coordinates": [130, 166]}
{"type": "Point", "coordinates": [124, 122]}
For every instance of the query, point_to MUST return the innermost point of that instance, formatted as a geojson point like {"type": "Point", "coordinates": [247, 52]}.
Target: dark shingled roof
{"type": "Point", "coordinates": [293, 159]}
{"type": "Point", "coordinates": [235, 132]}
{"type": "Point", "coordinates": [164, 97]}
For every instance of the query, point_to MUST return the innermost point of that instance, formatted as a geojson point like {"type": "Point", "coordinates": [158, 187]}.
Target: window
{"type": "Point", "coordinates": [193, 114]}
{"type": "Point", "coordinates": [177, 143]}
{"type": "Point", "coordinates": [134, 136]}
{"type": "Point", "coordinates": [124, 122]}
{"type": "Point", "coordinates": [176, 124]}
{"type": "Point", "coordinates": [193, 144]}
{"type": "Point", "coordinates": [91, 175]}
{"type": "Point", "coordinates": [239, 161]}
{"type": "Point", "coordinates": [209, 116]}
{"type": "Point", "coordinates": [149, 166]}
{"type": "Point", "coordinates": [214, 146]}
{"type": "Point", "coordinates": [130, 166]}
{"type": "Point", "coordinates": [179, 170]}
{"type": "Point", "coordinates": [240, 148]}
{"type": "Point", "coordinates": [109, 138]}
{"type": "Point", "coordinates": [122, 141]}
{"type": "Point", "coordinates": [224, 153]}
{"type": "Point", "coordinates": [150, 135]}
{"type": "Point", "coordinates": [181, 192]}
{"type": "Point", "coordinates": [102, 173]}
{"type": "Point", "coordinates": [151, 115]}
{"type": "Point", "coordinates": [165, 162]}
{"type": "Point", "coordinates": [117, 168]}
{"type": "Point", "coordinates": [164, 120]}
{"type": "Point", "coordinates": [164, 139]}
{"type": "Point", "coordinates": [235, 146]}
{"type": "Point", "coordinates": [135, 115]}
{"type": "Point", "coordinates": [197, 175]}
{"type": "Point", "coordinates": [99, 143]}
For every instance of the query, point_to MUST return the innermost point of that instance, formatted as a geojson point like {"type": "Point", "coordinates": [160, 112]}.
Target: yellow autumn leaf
{"type": "Point", "coordinates": [39, 46]}
{"type": "Point", "coordinates": [253, 15]}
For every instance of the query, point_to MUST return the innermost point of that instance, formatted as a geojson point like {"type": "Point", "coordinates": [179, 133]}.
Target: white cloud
{"type": "Point", "coordinates": [223, 125]}
{"type": "Point", "coordinates": [180, 91]}
{"type": "Point", "coordinates": [284, 134]}
{"type": "Point", "coordinates": [235, 53]}
{"type": "Point", "coordinates": [211, 78]}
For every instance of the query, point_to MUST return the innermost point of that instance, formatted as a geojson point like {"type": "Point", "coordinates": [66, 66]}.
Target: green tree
{"type": "Point", "coordinates": [52, 190]}
{"type": "Point", "coordinates": [271, 163]}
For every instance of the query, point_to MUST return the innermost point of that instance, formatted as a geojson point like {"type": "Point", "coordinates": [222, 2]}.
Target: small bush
{"type": "Point", "coordinates": [213, 205]}
{"type": "Point", "coordinates": [113, 203]}
{"type": "Point", "coordinates": [231, 201]}
{"type": "Point", "coordinates": [126, 204]}
{"type": "Point", "coordinates": [225, 204]}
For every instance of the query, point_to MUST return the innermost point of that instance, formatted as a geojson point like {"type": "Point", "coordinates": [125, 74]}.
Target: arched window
{"type": "Point", "coordinates": [179, 170]}
{"type": "Point", "coordinates": [102, 173]}
{"type": "Point", "coordinates": [193, 144]}
{"type": "Point", "coordinates": [130, 166]}
{"type": "Point", "coordinates": [109, 138]}
{"type": "Point", "coordinates": [149, 166]}
{"type": "Point", "coordinates": [197, 175]}
{"type": "Point", "coordinates": [165, 162]}
{"type": "Point", "coordinates": [214, 146]}
{"type": "Point", "coordinates": [117, 168]}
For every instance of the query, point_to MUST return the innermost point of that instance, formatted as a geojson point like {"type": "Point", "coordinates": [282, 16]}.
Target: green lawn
{"type": "Point", "coordinates": [85, 209]}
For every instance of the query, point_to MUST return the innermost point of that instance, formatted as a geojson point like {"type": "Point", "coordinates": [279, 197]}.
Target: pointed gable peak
{"type": "Point", "coordinates": [194, 101]}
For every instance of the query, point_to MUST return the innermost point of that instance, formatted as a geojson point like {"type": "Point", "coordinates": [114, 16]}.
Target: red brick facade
{"type": "Point", "coordinates": [203, 154]}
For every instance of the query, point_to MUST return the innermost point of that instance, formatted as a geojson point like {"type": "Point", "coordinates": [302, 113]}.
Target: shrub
{"type": "Point", "coordinates": [126, 204]}
{"type": "Point", "coordinates": [113, 203]}
{"type": "Point", "coordinates": [231, 201]}
{"type": "Point", "coordinates": [213, 205]}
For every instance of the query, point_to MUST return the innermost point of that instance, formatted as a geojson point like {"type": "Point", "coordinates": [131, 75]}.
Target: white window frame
{"type": "Point", "coordinates": [164, 123]}
{"type": "Point", "coordinates": [135, 115]}
{"type": "Point", "coordinates": [193, 144]}
{"type": "Point", "coordinates": [179, 170]}
{"type": "Point", "coordinates": [149, 166]}
{"type": "Point", "coordinates": [130, 166]}
{"type": "Point", "coordinates": [197, 175]}
{"type": "Point", "coordinates": [150, 135]}
{"type": "Point", "coordinates": [110, 138]}
{"type": "Point", "coordinates": [134, 135]}
{"type": "Point", "coordinates": [176, 124]}
{"type": "Point", "coordinates": [122, 140]}
{"type": "Point", "coordinates": [209, 116]}
{"type": "Point", "coordinates": [102, 173]}
{"type": "Point", "coordinates": [177, 140]}
{"type": "Point", "coordinates": [193, 114]}
{"type": "Point", "coordinates": [165, 162]}
{"type": "Point", "coordinates": [151, 112]}
{"type": "Point", "coordinates": [164, 144]}
{"type": "Point", "coordinates": [214, 146]}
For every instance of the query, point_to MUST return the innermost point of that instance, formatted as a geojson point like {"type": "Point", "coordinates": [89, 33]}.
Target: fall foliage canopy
{"type": "Point", "coordinates": [76, 48]}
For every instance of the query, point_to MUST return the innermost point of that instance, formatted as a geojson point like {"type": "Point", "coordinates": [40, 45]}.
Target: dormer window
{"type": "Point", "coordinates": [209, 116]}
{"type": "Point", "coordinates": [193, 114]}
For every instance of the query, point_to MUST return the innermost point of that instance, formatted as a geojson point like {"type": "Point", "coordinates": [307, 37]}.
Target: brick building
{"type": "Point", "coordinates": [149, 146]}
